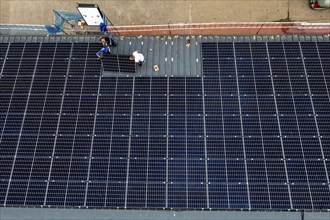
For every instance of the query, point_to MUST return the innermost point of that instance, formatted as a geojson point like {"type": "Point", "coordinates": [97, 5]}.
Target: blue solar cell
{"type": "Point", "coordinates": [320, 195]}
{"type": "Point", "coordinates": [157, 171]}
{"type": "Point", "coordinates": [140, 125]}
{"type": "Point", "coordinates": [31, 124]}
{"type": "Point", "coordinates": [108, 85]}
{"type": "Point", "coordinates": [75, 194]}
{"type": "Point", "coordinates": [17, 192]}
{"type": "Point", "coordinates": [137, 170]}
{"type": "Point", "coordinates": [275, 50]}
{"type": "Point", "coordinates": [77, 67]}
{"type": "Point", "coordinates": [213, 125]}
{"type": "Point", "coordinates": [309, 49]}
{"type": "Point", "coordinates": [266, 105]}
{"type": "Point", "coordinates": [261, 67]}
{"type": "Point", "coordinates": [157, 148]}
{"type": "Point", "coordinates": [225, 50]}
{"type": "Point", "coordinates": [276, 171]}
{"type": "Point", "coordinates": [101, 146]}
{"type": "Point", "coordinates": [211, 68]}
{"type": "Point", "coordinates": [96, 194]}
{"type": "Point", "coordinates": [87, 104]}
{"type": "Point", "coordinates": [211, 86]}
{"type": "Point", "coordinates": [317, 85]}
{"type": "Point", "coordinates": [56, 193]}
{"type": "Point", "coordinates": [323, 125]}
{"type": "Point", "coordinates": [85, 125]}
{"type": "Point", "coordinates": [78, 168]}
{"type": "Point", "coordinates": [117, 170]}
{"type": "Point", "coordinates": [194, 86]}
{"type": "Point", "coordinates": [311, 147]}
{"type": "Point", "coordinates": [103, 125]}
{"type": "Point", "coordinates": [242, 50]}
{"type": "Point", "coordinates": [158, 125]}
{"type": "Point", "coordinates": [105, 104]}
{"type": "Point", "coordinates": [63, 51]}
{"type": "Point", "coordinates": [251, 126]}
{"type": "Point", "coordinates": [158, 105]}
{"type": "Point", "coordinates": [264, 86]}
{"type": "Point", "coordinates": [259, 50]}
{"type": "Point", "coordinates": [285, 105]}
{"type": "Point", "coordinates": [269, 125]}
{"type": "Point", "coordinates": [315, 170]}
{"type": "Point", "coordinates": [35, 193]}
{"type": "Point", "coordinates": [141, 104]}
{"type": "Point", "coordinates": [256, 170]}
{"type": "Point", "coordinates": [307, 125]}
{"type": "Point", "coordinates": [227, 67]}
{"type": "Point", "coordinates": [47, 51]}
{"type": "Point", "coordinates": [124, 86]}
{"type": "Point", "coordinates": [156, 195]}
{"type": "Point", "coordinates": [313, 67]}
{"type": "Point", "coordinates": [123, 105]}
{"type": "Point", "coordinates": [15, 50]}
{"type": "Point", "coordinates": [238, 196]}
{"type": "Point", "coordinates": [213, 105]}
{"type": "Point", "coordinates": [292, 50]}
{"type": "Point", "coordinates": [293, 147]}
{"type": "Point", "coordinates": [53, 104]}
{"type": "Point", "coordinates": [7, 84]}
{"type": "Point", "coordinates": [272, 147]}
{"type": "Point", "coordinates": [8, 146]}
{"type": "Point", "coordinates": [74, 85]}
{"type": "Point", "coordinates": [259, 196]}
{"type": "Point", "coordinates": [320, 105]}
{"type": "Point", "coordinates": [228, 85]}
{"type": "Point", "coordinates": [197, 196]}
{"type": "Point", "coordinates": [247, 85]}
{"type": "Point", "coordinates": [195, 147]}
{"type": "Point", "coordinates": [159, 86]}
{"type": "Point", "coordinates": [297, 172]}
{"type": "Point", "coordinates": [324, 49]}
{"type": "Point", "coordinates": [234, 150]}
{"type": "Point", "coordinates": [142, 86]}
{"type": "Point", "coordinates": [116, 195]}
{"type": "Point", "coordinates": [119, 147]}
{"type": "Point", "coordinates": [177, 86]}
{"type": "Point", "coordinates": [136, 195]}
{"type": "Point", "coordinates": [279, 67]}
{"type": "Point", "coordinates": [244, 67]}
{"type": "Point", "coordinates": [218, 195]}
{"type": "Point", "coordinates": [230, 105]}
{"type": "Point", "coordinates": [279, 196]}
{"type": "Point", "coordinates": [176, 105]}
{"type": "Point", "coordinates": [60, 67]}
{"type": "Point", "coordinates": [177, 126]}
{"type": "Point", "coordinates": [139, 147]}
{"type": "Point", "coordinates": [3, 49]}
{"type": "Point", "coordinates": [22, 85]}
{"type": "Point", "coordinates": [13, 124]}
{"type": "Point", "coordinates": [210, 51]}
{"type": "Point", "coordinates": [79, 50]}
{"type": "Point", "coordinates": [249, 105]}
{"type": "Point", "coordinates": [177, 194]}
{"type": "Point", "coordinates": [295, 67]}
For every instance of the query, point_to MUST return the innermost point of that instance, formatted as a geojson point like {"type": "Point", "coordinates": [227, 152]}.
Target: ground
{"type": "Point", "coordinates": [135, 12]}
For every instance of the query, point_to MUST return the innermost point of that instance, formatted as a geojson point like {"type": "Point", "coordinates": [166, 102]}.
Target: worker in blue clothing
{"type": "Point", "coordinates": [106, 43]}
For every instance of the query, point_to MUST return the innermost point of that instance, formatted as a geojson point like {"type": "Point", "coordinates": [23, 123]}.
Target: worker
{"type": "Point", "coordinates": [106, 43]}
{"type": "Point", "coordinates": [137, 57]}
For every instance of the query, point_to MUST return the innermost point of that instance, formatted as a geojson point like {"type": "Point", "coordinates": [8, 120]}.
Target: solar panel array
{"type": "Point", "coordinates": [252, 133]}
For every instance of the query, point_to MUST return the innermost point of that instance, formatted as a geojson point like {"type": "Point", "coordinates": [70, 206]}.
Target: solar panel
{"type": "Point", "coordinates": [252, 133]}
{"type": "Point", "coordinates": [114, 63]}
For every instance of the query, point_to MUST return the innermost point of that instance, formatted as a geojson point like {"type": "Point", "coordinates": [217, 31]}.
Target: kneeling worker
{"type": "Point", "coordinates": [137, 57]}
{"type": "Point", "coordinates": [106, 43]}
